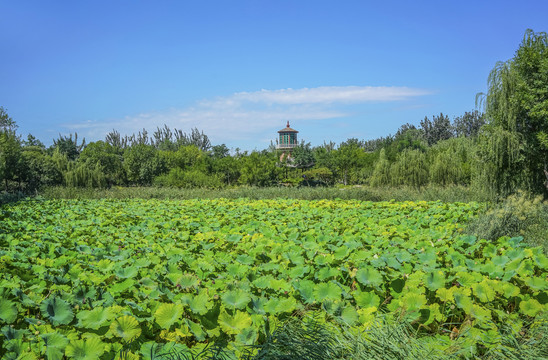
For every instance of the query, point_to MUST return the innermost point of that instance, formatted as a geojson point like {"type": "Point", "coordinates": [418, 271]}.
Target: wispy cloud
{"type": "Point", "coordinates": [246, 114]}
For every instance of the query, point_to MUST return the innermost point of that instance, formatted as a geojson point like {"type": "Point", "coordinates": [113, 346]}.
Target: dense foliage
{"type": "Point", "coordinates": [93, 278]}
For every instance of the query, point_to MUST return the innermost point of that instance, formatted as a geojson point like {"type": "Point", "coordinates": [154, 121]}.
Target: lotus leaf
{"type": "Point", "coordinates": [85, 349]}
{"type": "Point", "coordinates": [369, 277]}
{"type": "Point", "coordinates": [57, 311]}
{"type": "Point", "coordinates": [349, 315]}
{"type": "Point", "coordinates": [327, 291]}
{"type": "Point", "coordinates": [8, 311]}
{"type": "Point", "coordinates": [434, 280]}
{"type": "Point", "coordinates": [126, 327]}
{"type": "Point", "coordinates": [167, 314]}
{"type": "Point", "coordinates": [530, 307]}
{"type": "Point", "coordinates": [55, 345]}
{"type": "Point", "coordinates": [95, 318]}
{"type": "Point", "coordinates": [233, 325]}
{"type": "Point", "coordinates": [235, 299]}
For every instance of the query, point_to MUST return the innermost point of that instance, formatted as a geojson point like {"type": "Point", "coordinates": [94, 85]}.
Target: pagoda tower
{"type": "Point", "coordinates": [287, 141]}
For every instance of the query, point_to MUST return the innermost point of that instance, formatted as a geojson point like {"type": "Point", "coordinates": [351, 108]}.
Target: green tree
{"type": "Point", "coordinates": [142, 163]}
{"type": "Point", "coordinates": [11, 160]}
{"type": "Point", "coordinates": [6, 122]}
{"type": "Point", "coordinates": [469, 124]}
{"type": "Point", "coordinates": [411, 168]}
{"type": "Point", "coordinates": [259, 169]}
{"type": "Point", "coordinates": [347, 157]}
{"type": "Point", "coordinates": [381, 171]}
{"type": "Point", "coordinates": [302, 156]}
{"type": "Point", "coordinates": [69, 146]}
{"type": "Point", "coordinates": [108, 160]}
{"type": "Point", "coordinates": [437, 129]}
{"type": "Point", "coordinates": [516, 105]}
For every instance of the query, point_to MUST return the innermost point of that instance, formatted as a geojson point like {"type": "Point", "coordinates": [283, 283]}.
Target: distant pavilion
{"type": "Point", "coordinates": [287, 141]}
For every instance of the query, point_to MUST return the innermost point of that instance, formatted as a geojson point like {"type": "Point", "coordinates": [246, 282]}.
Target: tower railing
{"type": "Point", "coordinates": [286, 146]}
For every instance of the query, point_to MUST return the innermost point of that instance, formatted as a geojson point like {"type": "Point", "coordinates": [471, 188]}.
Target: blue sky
{"type": "Point", "coordinates": [238, 70]}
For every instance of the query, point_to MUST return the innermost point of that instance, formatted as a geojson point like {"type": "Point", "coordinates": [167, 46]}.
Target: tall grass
{"type": "Point", "coordinates": [518, 215]}
{"type": "Point", "coordinates": [431, 193]}
{"type": "Point", "coordinates": [311, 339]}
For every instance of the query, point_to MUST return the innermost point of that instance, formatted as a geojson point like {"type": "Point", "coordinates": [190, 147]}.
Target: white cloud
{"type": "Point", "coordinates": [329, 95]}
{"type": "Point", "coordinates": [246, 114]}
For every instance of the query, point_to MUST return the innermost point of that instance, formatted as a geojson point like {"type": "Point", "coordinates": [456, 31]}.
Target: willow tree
{"type": "Point", "coordinates": [511, 150]}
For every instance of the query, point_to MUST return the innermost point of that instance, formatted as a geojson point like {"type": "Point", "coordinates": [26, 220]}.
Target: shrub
{"type": "Point", "coordinates": [518, 215]}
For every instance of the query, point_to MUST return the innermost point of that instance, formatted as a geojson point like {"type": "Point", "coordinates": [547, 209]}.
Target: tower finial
{"type": "Point", "coordinates": [287, 123]}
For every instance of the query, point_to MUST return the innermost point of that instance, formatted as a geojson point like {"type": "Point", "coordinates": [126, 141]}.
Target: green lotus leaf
{"type": "Point", "coordinates": [413, 302]}
{"type": "Point", "coordinates": [445, 294]}
{"type": "Point", "coordinates": [465, 279]}
{"type": "Point", "coordinates": [536, 283]}
{"type": "Point", "coordinates": [233, 325]}
{"type": "Point", "coordinates": [369, 277]}
{"type": "Point", "coordinates": [235, 299]}
{"type": "Point", "coordinates": [540, 260]}
{"type": "Point", "coordinates": [197, 330]}
{"type": "Point", "coordinates": [366, 299]}
{"type": "Point", "coordinates": [57, 311]}
{"type": "Point", "coordinates": [120, 287]}
{"type": "Point", "coordinates": [142, 263]}
{"type": "Point", "coordinates": [433, 314]}
{"type": "Point", "coordinates": [480, 313]}
{"type": "Point", "coordinates": [11, 333]}
{"type": "Point", "coordinates": [434, 280]}
{"type": "Point", "coordinates": [489, 251]}
{"type": "Point", "coordinates": [55, 345]}
{"type": "Point", "coordinates": [237, 270]}
{"type": "Point", "coordinates": [326, 273]}
{"type": "Point", "coordinates": [263, 282]}
{"type": "Point", "coordinates": [341, 253]}
{"type": "Point", "coordinates": [500, 260]}
{"type": "Point", "coordinates": [349, 315]}
{"type": "Point", "coordinates": [530, 307]}
{"type": "Point", "coordinates": [483, 291]}
{"type": "Point", "coordinates": [306, 290]}
{"type": "Point", "coordinates": [126, 327]}
{"type": "Point", "coordinates": [8, 311]}
{"type": "Point", "coordinates": [327, 291]}
{"type": "Point", "coordinates": [127, 272]}
{"type": "Point", "coordinates": [279, 285]}
{"type": "Point", "coordinates": [463, 301]}
{"type": "Point", "coordinates": [515, 254]}
{"type": "Point", "coordinates": [248, 336]}
{"type": "Point", "coordinates": [510, 290]}
{"type": "Point", "coordinates": [168, 314]}
{"type": "Point", "coordinates": [276, 306]}
{"type": "Point", "coordinates": [200, 304]}
{"type": "Point", "coordinates": [245, 259]}
{"type": "Point", "coordinates": [469, 239]}
{"type": "Point", "coordinates": [298, 271]}
{"type": "Point", "coordinates": [85, 349]}
{"type": "Point", "coordinates": [187, 281]}
{"type": "Point", "coordinates": [271, 306]}
{"type": "Point", "coordinates": [95, 318]}
{"type": "Point", "coordinates": [403, 256]}
{"type": "Point", "coordinates": [526, 268]}
{"type": "Point", "coordinates": [234, 238]}
{"type": "Point", "coordinates": [428, 257]}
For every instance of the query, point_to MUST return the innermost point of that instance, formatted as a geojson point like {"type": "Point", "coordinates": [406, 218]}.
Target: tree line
{"type": "Point", "coordinates": [499, 150]}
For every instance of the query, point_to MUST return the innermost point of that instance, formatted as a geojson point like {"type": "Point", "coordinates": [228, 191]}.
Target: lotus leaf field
{"type": "Point", "coordinates": [89, 279]}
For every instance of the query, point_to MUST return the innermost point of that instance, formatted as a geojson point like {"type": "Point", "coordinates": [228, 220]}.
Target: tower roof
{"type": "Point", "coordinates": [287, 129]}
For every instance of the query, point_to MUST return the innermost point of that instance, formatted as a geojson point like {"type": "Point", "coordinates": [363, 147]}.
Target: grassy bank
{"type": "Point", "coordinates": [431, 193]}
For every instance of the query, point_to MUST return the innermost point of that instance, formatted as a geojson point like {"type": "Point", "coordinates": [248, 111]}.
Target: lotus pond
{"type": "Point", "coordinates": [91, 279]}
